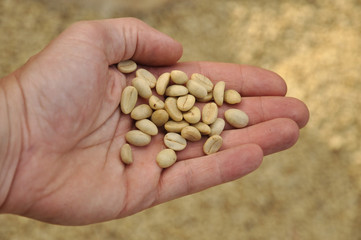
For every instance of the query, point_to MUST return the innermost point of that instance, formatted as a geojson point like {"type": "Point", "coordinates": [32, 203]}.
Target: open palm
{"type": "Point", "coordinates": [70, 171]}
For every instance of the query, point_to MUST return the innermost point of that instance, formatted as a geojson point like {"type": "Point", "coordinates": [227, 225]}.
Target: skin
{"type": "Point", "coordinates": [62, 130]}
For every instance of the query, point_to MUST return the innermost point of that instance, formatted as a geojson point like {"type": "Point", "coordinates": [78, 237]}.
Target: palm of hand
{"type": "Point", "coordinates": [75, 121]}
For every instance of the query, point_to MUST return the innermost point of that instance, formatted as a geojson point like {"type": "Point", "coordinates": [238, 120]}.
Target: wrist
{"type": "Point", "coordinates": [10, 133]}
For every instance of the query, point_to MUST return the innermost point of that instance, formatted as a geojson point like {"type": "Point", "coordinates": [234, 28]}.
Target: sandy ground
{"type": "Point", "coordinates": [311, 191]}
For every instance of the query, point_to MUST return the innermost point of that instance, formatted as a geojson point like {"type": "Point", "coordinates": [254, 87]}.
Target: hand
{"type": "Point", "coordinates": [69, 170]}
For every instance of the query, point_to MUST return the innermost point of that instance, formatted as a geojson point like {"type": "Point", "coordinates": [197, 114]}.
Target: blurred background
{"type": "Point", "coordinates": [311, 191]}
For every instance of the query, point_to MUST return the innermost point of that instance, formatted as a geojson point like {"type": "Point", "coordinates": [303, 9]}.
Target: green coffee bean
{"type": "Point", "coordinates": [141, 111]}
{"type": "Point", "coordinates": [191, 133]}
{"type": "Point", "coordinates": [193, 115]}
{"type": "Point", "coordinates": [126, 154]}
{"type": "Point", "coordinates": [147, 126]}
{"type": "Point", "coordinates": [170, 106]}
{"type": "Point", "coordinates": [128, 99]}
{"type": "Point", "coordinates": [203, 128]}
{"type": "Point", "coordinates": [162, 83]}
{"type": "Point", "coordinates": [185, 103]}
{"type": "Point", "coordinates": [209, 113]}
{"type": "Point", "coordinates": [217, 127]}
{"type": "Point", "coordinates": [196, 89]}
{"type": "Point", "coordinates": [175, 141]}
{"type": "Point", "coordinates": [142, 86]}
{"type": "Point", "coordinates": [127, 66]}
{"type": "Point", "coordinates": [148, 76]}
{"type": "Point", "coordinates": [166, 158]}
{"type": "Point", "coordinates": [218, 92]}
{"type": "Point", "coordinates": [155, 103]}
{"type": "Point", "coordinates": [137, 138]}
{"type": "Point", "coordinates": [173, 126]}
{"type": "Point", "coordinates": [213, 144]}
{"type": "Point", "coordinates": [160, 117]}
{"type": "Point", "coordinates": [232, 96]}
{"type": "Point", "coordinates": [236, 118]}
{"type": "Point", "coordinates": [178, 77]}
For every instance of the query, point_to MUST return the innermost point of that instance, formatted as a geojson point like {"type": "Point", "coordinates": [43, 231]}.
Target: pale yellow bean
{"type": "Point", "coordinates": [191, 133]}
{"type": "Point", "coordinates": [217, 127]}
{"type": "Point", "coordinates": [147, 126]}
{"type": "Point", "coordinates": [209, 113]}
{"type": "Point", "coordinates": [203, 80]}
{"type": "Point", "coordinates": [185, 103]}
{"type": "Point", "coordinates": [170, 106]}
{"type": "Point", "coordinates": [213, 144]}
{"type": "Point", "coordinates": [173, 126]}
{"type": "Point", "coordinates": [207, 98]}
{"type": "Point", "coordinates": [218, 92]}
{"type": "Point", "coordinates": [232, 96]}
{"type": "Point", "coordinates": [176, 91]}
{"type": "Point", "coordinates": [166, 158]}
{"type": "Point", "coordinates": [137, 138]}
{"type": "Point", "coordinates": [141, 111]}
{"type": "Point", "coordinates": [142, 87]}
{"type": "Point", "coordinates": [155, 103]}
{"type": "Point", "coordinates": [196, 89]}
{"type": "Point", "coordinates": [148, 76]}
{"type": "Point", "coordinates": [175, 141]}
{"type": "Point", "coordinates": [178, 77]}
{"type": "Point", "coordinates": [162, 83]}
{"type": "Point", "coordinates": [236, 118]}
{"type": "Point", "coordinates": [126, 154]}
{"type": "Point", "coordinates": [128, 99]}
{"type": "Point", "coordinates": [160, 117]}
{"type": "Point", "coordinates": [203, 128]}
{"type": "Point", "coordinates": [193, 115]}
{"type": "Point", "coordinates": [127, 66]}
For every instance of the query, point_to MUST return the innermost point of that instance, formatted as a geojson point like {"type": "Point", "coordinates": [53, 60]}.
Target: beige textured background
{"type": "Point", "coordinates": [311, 191]}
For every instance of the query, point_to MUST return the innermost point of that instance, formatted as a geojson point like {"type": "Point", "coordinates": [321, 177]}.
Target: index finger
{"type": "Point", "coordinates": [247, 80]}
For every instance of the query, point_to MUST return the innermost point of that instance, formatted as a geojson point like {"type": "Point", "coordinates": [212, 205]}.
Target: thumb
{"type": "Point", "coordinates": [129, 38]}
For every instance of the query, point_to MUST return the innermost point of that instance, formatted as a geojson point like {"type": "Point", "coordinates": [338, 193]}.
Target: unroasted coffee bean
{"type": "Point", "coordinates": [160, 117]}
{"type": "Point", "coordinates": [142, 86]}
{"type": "Point", "coordinates": [141, 111]}
{"type": "Point", "coordinates": [126, 154]}
{"type": "Point", "coordinates": [203, 80]}
{"type": "Point", "coordinates": [128, 99]}
{"type": "Point", "coordinates": [213, 144]}
{"type": "Point", "coordinates": [148, 76]}
{"type": "Point", "coordinates": [191, 133]}
{"type": "Point", "coordinates": [127, 66]}
{"type": "Point", "coordinates": [166, 158]}
{"type": "Point", "coordinates": [137, 138]}
{"type": "Point", "coordinates": [218, 92]}
{"type": "Point", "coordinates": [232, 96]}
{"type": "Point", "coordinates": [176, 91]}
{"type": "Point", "coordinates": [217, 127]}
{"type": "Point", "coordinates": [209, 113]}
{"type": "Point", "coordinates": [170, 106]}
{"type": "Point", "coordinates": [173, 126]}
{"type": "Point", "coordinates": [192, 116]}
{"type": "Point", "coordinates": [196, 89]}
{"type": "Point", "coordinates": [236, 118]}
{"type": "Point", "coordinates": [162, 83]}
{"type": "Point", "coordinates": [175, 141]}
{"type": "Point", "coordinates": [203, 128]}
{"type": "Point", "coordinates": [185, 103]}
{"type": "Point", "coordinates": [155, 103]}
{"type": "Point", "coordinates": [207, 98]}
{"type": "Point", "coordinates": [178, 77]}
{"type": "Point", "coordinates": [147, 126]}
